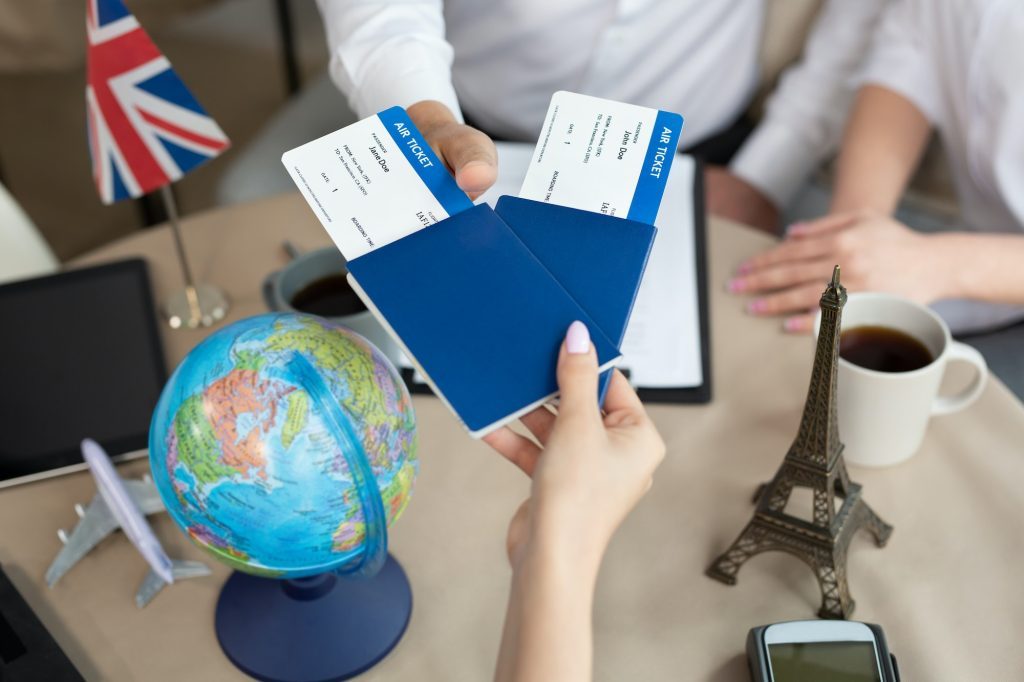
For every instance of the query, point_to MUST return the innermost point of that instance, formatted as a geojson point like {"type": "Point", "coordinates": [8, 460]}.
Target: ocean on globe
{"type": "Point", "coordinates": [265, 437]}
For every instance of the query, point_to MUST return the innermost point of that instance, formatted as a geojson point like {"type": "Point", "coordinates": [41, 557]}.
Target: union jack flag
{"type": "Point", "coordinates": [146, 129]}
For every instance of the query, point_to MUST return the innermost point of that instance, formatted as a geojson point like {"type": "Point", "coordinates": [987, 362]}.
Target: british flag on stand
{"type": "Point", "coordinates": [146, 129]}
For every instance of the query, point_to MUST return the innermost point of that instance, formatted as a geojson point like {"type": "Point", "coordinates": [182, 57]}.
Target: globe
{"type": "Point", "coordinates": [284, 445]}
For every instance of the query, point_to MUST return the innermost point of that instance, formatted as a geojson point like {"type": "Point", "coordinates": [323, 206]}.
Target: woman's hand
{"type": "Point", "coordinates": [589, 470]}
{"type": "Point", "coordinates": [469, 154]}
{"type": "Point", "coordinates": [875, 252]}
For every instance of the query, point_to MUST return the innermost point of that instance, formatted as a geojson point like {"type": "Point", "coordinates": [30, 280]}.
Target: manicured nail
{"type": "Point", "coordinates": [737, 284]}
{"type": "Point", "coordinates": [791, 324]}
{"type": "Point", "coordinates": [577, 339]}
{"type": "Point", "coordinates": [758, 305]}
{"type": "Point", "coordinates": [744, 268]}
{"type": "Point", "coordinates": [796, 228]}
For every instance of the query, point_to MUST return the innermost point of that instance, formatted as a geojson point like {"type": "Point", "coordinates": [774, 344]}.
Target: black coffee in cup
{"type": "Point", "coordinates": [883, 349]}
{"type": "Point", "coordinates": [329, 296]}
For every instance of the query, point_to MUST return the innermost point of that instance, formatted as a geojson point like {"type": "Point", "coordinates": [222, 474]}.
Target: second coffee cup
{"type": "Point", "coordinates": [884, 409]}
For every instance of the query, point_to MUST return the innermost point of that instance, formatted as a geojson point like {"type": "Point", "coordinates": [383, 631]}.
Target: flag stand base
{"type": "Point", "coordinates": [200, 306]}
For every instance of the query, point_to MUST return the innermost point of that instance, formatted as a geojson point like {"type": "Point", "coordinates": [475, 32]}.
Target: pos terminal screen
{"type": "Point", "coordinates": [824, 662]}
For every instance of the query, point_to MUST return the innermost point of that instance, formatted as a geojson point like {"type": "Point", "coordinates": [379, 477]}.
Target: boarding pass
{"type": "Point", "coordinates": [603, 156]}
{"type": "Point", "coordinates": [374, 182]}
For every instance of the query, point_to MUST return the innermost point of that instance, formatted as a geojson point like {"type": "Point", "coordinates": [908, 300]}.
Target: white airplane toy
{"type": "Point", "coordinates": [120, 504]}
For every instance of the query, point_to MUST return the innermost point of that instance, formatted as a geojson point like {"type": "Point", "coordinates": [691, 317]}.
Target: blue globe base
{"type": "Point", "coordinates": [316, 629]}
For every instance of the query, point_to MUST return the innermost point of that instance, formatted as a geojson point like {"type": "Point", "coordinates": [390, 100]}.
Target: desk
{"type": "Point", "coordinates": [946, 588]}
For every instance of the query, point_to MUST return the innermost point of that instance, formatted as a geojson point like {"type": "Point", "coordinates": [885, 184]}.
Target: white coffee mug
{"type": "Point", "coordinates": [883, 415]}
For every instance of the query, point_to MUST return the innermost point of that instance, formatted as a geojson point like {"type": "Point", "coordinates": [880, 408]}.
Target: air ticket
{"type": "Point", "coordinates": [374, 182]}
{"type": "Point", "coordinates": [603, 156]}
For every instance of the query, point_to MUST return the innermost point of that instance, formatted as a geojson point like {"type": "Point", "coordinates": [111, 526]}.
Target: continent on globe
{"type": "Point", "coordinates": [295, 418]}
{"type": "Point", "coordinates": [238, 398]}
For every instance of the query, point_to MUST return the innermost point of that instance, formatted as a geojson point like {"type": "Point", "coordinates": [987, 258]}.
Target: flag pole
{"type": "Point", "coordinates": [195, 305]}
{"type": "Point", "coordinates": [172, 215]}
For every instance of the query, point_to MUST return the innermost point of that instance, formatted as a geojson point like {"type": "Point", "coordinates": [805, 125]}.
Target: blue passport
{"type": "Point", "coordinates": [599, 259]}
{"type": "Point", "coordinates": [479, 315]}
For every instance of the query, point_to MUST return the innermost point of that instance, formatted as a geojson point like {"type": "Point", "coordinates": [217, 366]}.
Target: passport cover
{"type": "Point", "coordinates": [478, 314]}
{"type": "Point", "coordinates": [599, 259]}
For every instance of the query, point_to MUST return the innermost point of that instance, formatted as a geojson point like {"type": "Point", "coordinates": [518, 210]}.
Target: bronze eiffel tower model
{"type": "Point", "coordinates": [815, 461]}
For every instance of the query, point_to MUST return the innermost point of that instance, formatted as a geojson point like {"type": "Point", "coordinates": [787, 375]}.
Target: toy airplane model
{"type": "Point", "coordinates": [120, 504]}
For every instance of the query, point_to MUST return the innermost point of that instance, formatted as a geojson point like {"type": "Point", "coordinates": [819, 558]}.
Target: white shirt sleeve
{"type": "Point", "coordinates": [804, 117]}
{"type": "Point", "coordinates": [389, 52]}
{"type": "Point", "coordinates": [899, 62]}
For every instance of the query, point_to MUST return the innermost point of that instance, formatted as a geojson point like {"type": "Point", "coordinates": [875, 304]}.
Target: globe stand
{"type": "Point", "coordinates": [316, 629]}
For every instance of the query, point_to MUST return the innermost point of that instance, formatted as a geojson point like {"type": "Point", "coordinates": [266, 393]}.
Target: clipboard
{"type": "Point", "coordinates": [700, 393]}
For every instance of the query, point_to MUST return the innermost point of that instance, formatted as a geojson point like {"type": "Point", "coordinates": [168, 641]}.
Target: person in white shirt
{"type": "Point", "coordinates": [955, 66]}
{"type": "Point", "coordinates": [498, 62]}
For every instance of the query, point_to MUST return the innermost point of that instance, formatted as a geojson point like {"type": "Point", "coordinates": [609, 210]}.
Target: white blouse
{"type": "Point", "coordinates": [961, 62]}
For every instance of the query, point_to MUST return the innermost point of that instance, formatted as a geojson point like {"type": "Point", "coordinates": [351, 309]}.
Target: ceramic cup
{"type": "Point", "coordinates": [280, 288]}
{"type": "Point", "coordinates": [883, 415]}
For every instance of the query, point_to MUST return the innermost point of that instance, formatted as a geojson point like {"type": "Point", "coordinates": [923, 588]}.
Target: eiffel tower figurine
{"type": "Point", "coordinates": [815, 461]}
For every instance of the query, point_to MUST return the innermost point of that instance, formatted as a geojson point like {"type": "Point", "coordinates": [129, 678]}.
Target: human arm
{"type": "Point", "coordinates": [729, 196]}
{"type": "Point", "coordinates": [803, 119]}
{"type": "Point", "coordinates": [881, 148]}
{"type": "Point", "coordinates": [877, 253]}
{"type": "Point", "coordinates": [386, 53]}
{"type": "Point", "coordinates": [981, 267]}
{"type": "Point", "coordinates": [882, 145]}
{"type": "Point", "coordinates": [589, 470]}
{"type": "Point", "coordinates": [547, 633]}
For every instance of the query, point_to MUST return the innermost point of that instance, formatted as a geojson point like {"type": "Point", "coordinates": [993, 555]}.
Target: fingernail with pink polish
{"type": "Point", "coordinates": [796, 228]}
{"type": "Point", "coordinates": [577, 339]}
{"type": "Point", "coordinates": [744, 268]}
{"type": "Point", "coordinates": [791, 324]}
{"type": "Point", "coordinates": [756, 306]}
{"type": "Point", "coordinates": [737, 284]}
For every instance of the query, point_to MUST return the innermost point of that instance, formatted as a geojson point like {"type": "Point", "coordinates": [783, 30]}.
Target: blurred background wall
{"type": "Point", "coordinates": [229, 53]}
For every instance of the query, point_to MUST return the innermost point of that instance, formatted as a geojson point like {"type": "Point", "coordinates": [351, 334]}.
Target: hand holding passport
{"type": "Point", "coordinates": [480, 298]}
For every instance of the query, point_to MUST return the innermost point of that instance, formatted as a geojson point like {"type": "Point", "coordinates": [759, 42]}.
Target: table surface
{"type": "Point", "coordinates": [946, 588]}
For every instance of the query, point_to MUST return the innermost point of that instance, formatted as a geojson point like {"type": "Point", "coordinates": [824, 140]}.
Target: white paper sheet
{"type": "Point", "coordinates": [662, 346]}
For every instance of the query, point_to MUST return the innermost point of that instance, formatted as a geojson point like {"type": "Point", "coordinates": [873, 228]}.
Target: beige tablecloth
{"type": "Point", "coordinates": [946, 588]}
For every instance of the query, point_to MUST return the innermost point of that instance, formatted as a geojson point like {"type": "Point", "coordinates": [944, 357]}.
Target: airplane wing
{"type": "Point", "coordinates": [144, 495]}
{"type": "Point", "coordinates": [96, 523]}
{"type": "Point", "coordinates": [152, 583]}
